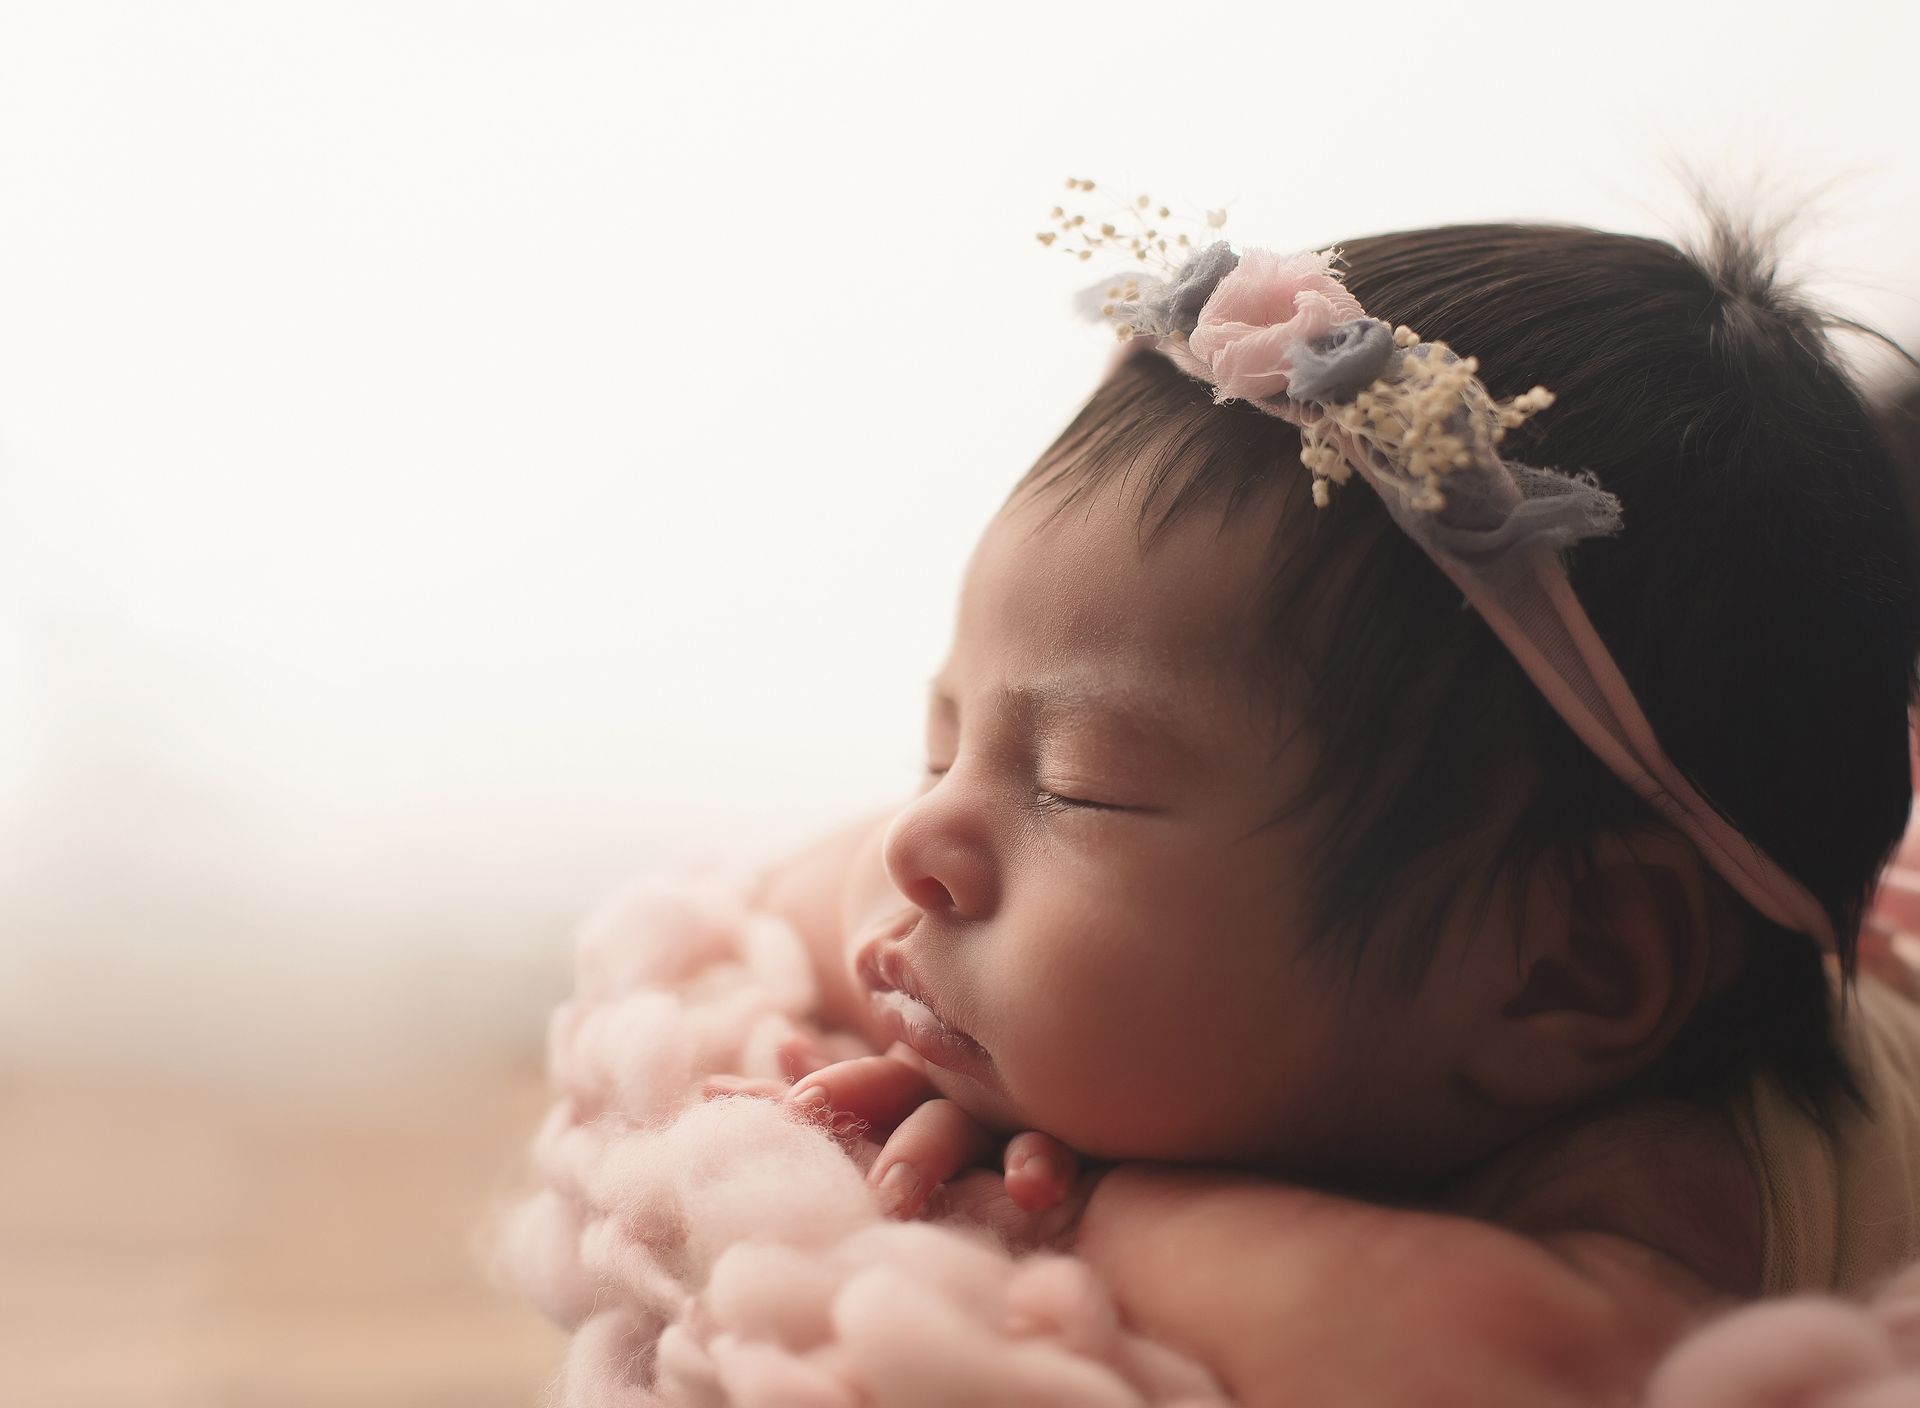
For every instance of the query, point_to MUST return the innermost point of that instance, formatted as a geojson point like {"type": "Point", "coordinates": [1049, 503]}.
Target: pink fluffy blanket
{"type": "Point", "coordinates": [728, 1252]}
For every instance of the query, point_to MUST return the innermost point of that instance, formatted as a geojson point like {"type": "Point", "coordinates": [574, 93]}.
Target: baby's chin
{"type": "Point", "coordinates": [1006, 1115]}
{"type": "Point", "coordinates": [1116, 1134]}
{"type": "Point", "coordinates": [992, 1107]}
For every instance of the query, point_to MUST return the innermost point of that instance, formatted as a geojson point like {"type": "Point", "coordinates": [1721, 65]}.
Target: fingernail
{"type": "Point", "coordinates": [897, 1185]}
{"type": "Point", "coordinates": [812, 1097]}
{"type": "Point", "coordinates": [1036, 1166]}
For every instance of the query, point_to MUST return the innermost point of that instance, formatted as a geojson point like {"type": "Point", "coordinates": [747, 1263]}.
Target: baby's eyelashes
{"type": "Point", "coordinates": [1047, 801]}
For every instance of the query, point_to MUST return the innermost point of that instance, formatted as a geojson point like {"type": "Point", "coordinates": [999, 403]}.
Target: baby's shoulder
{"type": "Point", "coordinates": [1664, 1173]}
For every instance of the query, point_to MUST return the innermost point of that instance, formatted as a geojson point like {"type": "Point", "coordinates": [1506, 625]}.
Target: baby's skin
{"type": "Point", "coordinates": [1083, 947]}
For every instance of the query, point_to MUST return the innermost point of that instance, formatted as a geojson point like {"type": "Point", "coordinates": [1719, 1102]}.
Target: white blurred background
{"type": "Point", "coordinates": [455, 455]}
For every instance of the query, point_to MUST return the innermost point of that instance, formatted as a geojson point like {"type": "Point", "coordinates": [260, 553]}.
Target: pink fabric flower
{"type": "Point", "coordinates": [1259, 313]}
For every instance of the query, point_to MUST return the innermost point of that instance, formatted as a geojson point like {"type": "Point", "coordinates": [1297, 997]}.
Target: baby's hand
{"type": "Point", "coordinates": [799, 1055]}
{"type": "Point", "coordinates": [929, 1142]}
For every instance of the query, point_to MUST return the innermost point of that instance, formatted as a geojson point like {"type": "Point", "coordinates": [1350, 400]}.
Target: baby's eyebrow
{"type": "Point", "coordinates": [1061, 702]}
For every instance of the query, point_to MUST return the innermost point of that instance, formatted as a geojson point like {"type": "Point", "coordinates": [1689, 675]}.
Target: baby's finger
{"type": "Point", "coordinates": [878, 1089]}
{"type": "Point", "coordinates": [714, 1086]}
{"type": "Point", "coordinates": [1040, 1170]}
{"type": "Point", "coordinates": [799, 1055]}
{"type": "Point", "coordinates": [980, 1197]}
{"type": "Point", "coordinates": [900, 1051]}
{"type": "Point", "coordinates": [932, 1144]}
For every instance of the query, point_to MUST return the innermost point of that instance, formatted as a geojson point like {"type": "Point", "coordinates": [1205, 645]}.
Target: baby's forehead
{"type": "Point", "coordinates": [1087, 589]}
{"type": "Point", "coordinates": [1139, 716]}
{"type": "Point", "coordinates": [1197, 562]}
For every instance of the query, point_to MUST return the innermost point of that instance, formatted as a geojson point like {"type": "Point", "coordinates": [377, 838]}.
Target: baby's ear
{"type": "Point", "coordinates": [1609, 968]}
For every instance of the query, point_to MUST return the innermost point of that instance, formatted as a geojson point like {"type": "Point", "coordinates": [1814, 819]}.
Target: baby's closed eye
{"type": "Point", "coordinates": [1046, 800]}
{"type": "Point", "coordinates": [1064, 796]}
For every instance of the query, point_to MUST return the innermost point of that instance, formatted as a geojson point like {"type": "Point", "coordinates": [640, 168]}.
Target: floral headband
{"type": "Point", "coordinates": [1412, 419]}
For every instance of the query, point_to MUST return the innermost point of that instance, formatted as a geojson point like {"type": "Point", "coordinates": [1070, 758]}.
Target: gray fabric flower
{"type": "Point", "coordinates": [1159, 307]}
{"type": "Point", "coordinates": [1194, 285]}
{"type": "Point", "coordinates": [1340, 363]}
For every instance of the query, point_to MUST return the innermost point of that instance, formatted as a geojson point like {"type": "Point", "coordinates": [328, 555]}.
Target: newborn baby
{"type": "Point", "coordinates": [1260, 924]}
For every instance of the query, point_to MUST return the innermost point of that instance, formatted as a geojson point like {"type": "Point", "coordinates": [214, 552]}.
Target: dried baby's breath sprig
{"type": "Point", "coordinates": [1425, 417]}
{"type": "Point", "coordinates": [1140, 230]}
{"type": "Point", "coordinates": [1408, 412]}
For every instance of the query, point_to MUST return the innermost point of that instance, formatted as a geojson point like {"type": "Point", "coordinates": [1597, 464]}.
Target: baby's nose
{"type": "Point", "coordinates": [937, 854]}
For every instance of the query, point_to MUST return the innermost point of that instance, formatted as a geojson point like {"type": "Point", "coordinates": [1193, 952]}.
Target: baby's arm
{"type": "Point", "coordinates": [1292, 1296]}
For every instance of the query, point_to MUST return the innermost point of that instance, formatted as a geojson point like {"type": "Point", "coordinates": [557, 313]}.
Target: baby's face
{"type": "Point", "coordinates": [1090, 885]}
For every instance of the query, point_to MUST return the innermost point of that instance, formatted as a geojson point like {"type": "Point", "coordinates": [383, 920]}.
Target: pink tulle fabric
{"type": "Point", "coordinates": [1259, 313]}
{"type": "Point", "coordinates": [726, 1252]}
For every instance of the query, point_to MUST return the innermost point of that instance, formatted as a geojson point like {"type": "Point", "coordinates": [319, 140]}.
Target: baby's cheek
{"type": "Point", "coordinates": [1176, 1084]}
{"type": "Point", "coordinates": [1116, 1095]}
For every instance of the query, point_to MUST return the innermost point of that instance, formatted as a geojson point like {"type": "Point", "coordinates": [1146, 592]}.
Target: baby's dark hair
{"type": "Point", "coordinates": [1763, 601]}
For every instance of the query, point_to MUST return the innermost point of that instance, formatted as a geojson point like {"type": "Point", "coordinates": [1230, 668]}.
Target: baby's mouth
{"type": "Point", "coordinates": [901, 1004]}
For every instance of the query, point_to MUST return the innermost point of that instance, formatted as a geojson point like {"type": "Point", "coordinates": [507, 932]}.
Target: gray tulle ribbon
{"type": "Point", "coordinates": [1486, 519]}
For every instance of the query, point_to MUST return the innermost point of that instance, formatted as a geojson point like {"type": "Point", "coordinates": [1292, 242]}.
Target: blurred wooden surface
{"type": "Point", "coordinates": [168, 1248]}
